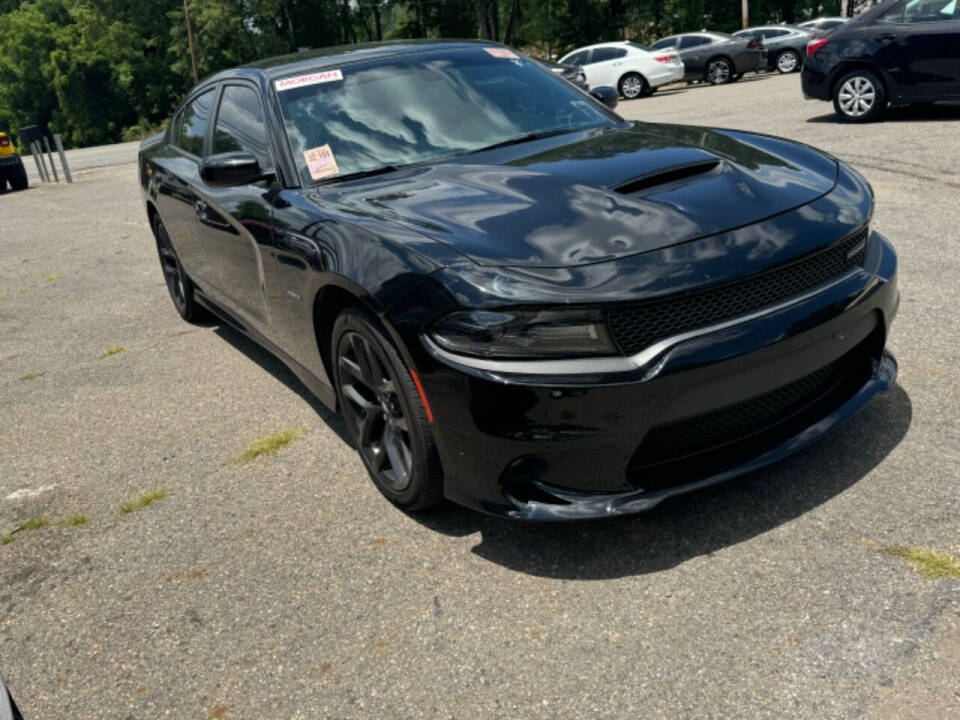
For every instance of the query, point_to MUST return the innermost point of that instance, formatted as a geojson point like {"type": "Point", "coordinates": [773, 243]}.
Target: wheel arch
{"type": "Point", "coordinates": [852, 65]}
{"type": "Point", "coordinates": [335, 294]}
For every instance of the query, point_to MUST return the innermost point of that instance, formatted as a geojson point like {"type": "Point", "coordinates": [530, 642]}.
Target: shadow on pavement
{"type": "Point", "coordinates": [911, 113]}
{"type": "Point", "coordinates": [273, 365]}
{"type": "Point", "coordinates": [693, 525]}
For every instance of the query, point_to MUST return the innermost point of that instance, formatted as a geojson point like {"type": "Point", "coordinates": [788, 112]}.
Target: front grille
{"type": "Point", "coordinates": [635, 327]}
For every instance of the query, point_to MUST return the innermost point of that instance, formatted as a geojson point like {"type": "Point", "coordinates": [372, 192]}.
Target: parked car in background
{"type": "Point", "coordinates": [518, 300]}
{"type": "Point", "coordinates": [897, 53]}
{"type": "Point", "coordinates": [12, 171]}
{"type": "Point", "coordinates": [823, 24]}
{"type": "Point", "coordinates": [571, 73]}
{"type": "Point", "coordinates": [632, 69]}
{"type": "Point", "coordinates": [786, 45]}
{"type": "Point", "coordinates": [716, 58]}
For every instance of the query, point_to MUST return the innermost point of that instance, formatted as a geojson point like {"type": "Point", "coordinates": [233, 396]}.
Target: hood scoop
{"type": "Point", "coordinates": [665, 177]}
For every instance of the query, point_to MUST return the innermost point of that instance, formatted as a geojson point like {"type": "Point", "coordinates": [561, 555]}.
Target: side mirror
{"type": "Point", "coordinates": [231, 168]}
{"type": "Point", "coordinates": [607, 95]}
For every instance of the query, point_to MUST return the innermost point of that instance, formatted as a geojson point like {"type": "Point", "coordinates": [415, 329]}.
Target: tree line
{"type": "Point", "coordinates": [99, 71]}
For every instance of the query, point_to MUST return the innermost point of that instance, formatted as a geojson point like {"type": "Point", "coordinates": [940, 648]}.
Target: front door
{"type": "Point", "coordinates": [235, 223]}
{"type": "Point", "coordinates": [920, 48]}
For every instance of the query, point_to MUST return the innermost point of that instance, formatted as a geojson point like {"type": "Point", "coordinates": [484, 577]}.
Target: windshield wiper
{"type": "Point", "coordinates": [383, 169]}
{"type": "Point", "coordinates": [526, 138]}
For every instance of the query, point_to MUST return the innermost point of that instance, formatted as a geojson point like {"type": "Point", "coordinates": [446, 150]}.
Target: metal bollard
{"type": "Point", "coordinates": [38, 159]}
{"type": "Point", "coordinates": [63, 157]}
{"type": "Point", "coordinates": [53, 165]}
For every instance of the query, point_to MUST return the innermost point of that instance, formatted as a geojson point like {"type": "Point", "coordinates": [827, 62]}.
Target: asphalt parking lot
{"type": "Point", "coordinates": [286, 587]}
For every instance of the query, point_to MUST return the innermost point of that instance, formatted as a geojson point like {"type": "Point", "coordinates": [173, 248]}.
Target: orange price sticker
{"type": "Point", "coordinates": [321, 162]}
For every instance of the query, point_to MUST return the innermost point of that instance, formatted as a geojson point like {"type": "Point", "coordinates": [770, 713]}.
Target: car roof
{"type": "Point", "coordinates": [768, 27]}
{"type": "Point", "coordinates": [341, 55]}
{"type": "Point", "coordinates": [612, 43]}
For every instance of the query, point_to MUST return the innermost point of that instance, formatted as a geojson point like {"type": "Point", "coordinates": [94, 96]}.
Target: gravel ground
{"type": "Point", "coordinates": [288, 588]}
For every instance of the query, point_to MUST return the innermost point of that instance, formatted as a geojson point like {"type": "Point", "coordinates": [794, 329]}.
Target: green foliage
{"type": "Point", "coordinates": [99, 71]}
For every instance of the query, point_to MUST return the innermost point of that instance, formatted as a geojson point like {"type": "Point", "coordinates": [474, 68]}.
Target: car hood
{"type": "Point", "coordinates": [595, 196]}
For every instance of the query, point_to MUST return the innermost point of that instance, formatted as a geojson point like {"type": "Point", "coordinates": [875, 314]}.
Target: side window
{"type": "Point", "coordinates": [663, 44]}
{"type": "Point", "coordinates": [241, 125]}
{"type": "Point", "coordinates": [917, 11]}
{"type": "Point", "coordinates": [606, 53]}
{"type": "Point", "coordinates": [693, 41]}
{"type": "Point", "coordinates": [193, 123]}
{"type": "Point", "coordinates": [775, 33]}
{"type": "Point", "coordinates": [577, 58]}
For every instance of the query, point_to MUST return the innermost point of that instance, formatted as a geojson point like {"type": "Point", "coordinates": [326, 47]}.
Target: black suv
{"type": "Point", "coordinates": [897, 53]}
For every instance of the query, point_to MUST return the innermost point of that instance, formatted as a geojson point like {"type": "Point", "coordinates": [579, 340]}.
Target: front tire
{"type": "Point", "coordinates": [178, 283]}
{"type": "Point", "coordinates": [788, 61]}
{"type": "Point", "coordinates": [719, 71]}
{"type": "Point", "coordinates": [385, 416]}
{"type": "Point", "coordinates": [859, 97]}
{"type": "Point", "coordinates": [633, 85]}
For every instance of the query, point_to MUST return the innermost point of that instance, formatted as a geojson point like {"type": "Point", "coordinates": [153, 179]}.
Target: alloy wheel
{"type": "Point", "coordinates": [632, 87]}
{"type": "Point", "coordinates": [787, 62]}
{"type": "Point", "coordinates": [172, 272]}
{"type": "Point", "coordinates": [857, 96]}
{"type": "Point", "coordinates": [374, 410]}
{"type": "Point", "coordinates": [718, 72]}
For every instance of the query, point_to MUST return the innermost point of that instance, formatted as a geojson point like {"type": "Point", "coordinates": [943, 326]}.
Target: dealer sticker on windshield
{"type": "Point", "coordinates": [311, 79]}
{"type": "Point", "coordinates": [321, 163]}
{"type": "Point", "coordinates": [503, 53]}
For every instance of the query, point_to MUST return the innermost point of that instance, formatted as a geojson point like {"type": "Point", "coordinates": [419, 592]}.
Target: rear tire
{"type": "Point", "coordinates": [633, 85]}
{"type": "Point", "coordinates": [719, 71]}
{"type": "Point", "coordinates": [178, 283]}
{"type": "Point", "coordinates": [788, 61]}
{"type": "Point", "coordinates": [18, 177]}
{"type": "Point", "coordinates": [859, 97]}
{"type": "Point", "coordinates": [384, 414]}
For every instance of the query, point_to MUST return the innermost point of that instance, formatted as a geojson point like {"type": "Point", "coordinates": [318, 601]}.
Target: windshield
{"type": "Point", "coordinates": [424, 107]}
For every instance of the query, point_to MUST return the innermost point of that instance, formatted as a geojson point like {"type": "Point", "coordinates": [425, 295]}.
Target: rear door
{"type": "Point", "coordinates": [694, 51]}
{"type": "Point", "coordinates": [604, 66]}
{"type": "Point", "coordinates": [919, 46]}
{"type": "Point", "coordinates": [178, 176]}
{"type": "Point", "coordinates": [235, 222]}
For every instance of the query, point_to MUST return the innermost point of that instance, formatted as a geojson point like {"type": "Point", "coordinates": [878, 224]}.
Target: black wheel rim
{"type": "Point", "coordinates": [172, 273]}
{"type": "Point", "coordinates": [374, 411]}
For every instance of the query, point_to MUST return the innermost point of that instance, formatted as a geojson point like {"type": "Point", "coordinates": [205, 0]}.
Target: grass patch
{"type": "Point", "coordinates": [270, 444]}
{"type": "Point", "coordinates": [33, 524]}
{"type": "Point", "coordinates": [6, 539]}
{"type": "Point", "coordinates": [26, 290]}
{"type": "Point", "coordinates": [31, 376]}
{"type": "Point", "coordinates": [144, 500]}
{"type": "Point", "coordinates": [115, 350]}
{"type": "Point", "coordinates": [75, 521]}
{"type": "Point", "coordinates": [53, 278]}
{"type": "Point", "coordinates": [929, 563]}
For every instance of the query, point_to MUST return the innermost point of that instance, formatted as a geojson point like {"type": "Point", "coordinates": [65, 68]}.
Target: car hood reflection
{"type": "Point", "coordinates": [573, 200]}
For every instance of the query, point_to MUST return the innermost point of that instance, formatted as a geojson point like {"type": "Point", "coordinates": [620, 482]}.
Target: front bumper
{"type": "Point", "coordinates": [529, 448]}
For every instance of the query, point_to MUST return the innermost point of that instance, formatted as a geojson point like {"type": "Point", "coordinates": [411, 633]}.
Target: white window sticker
{"type": "Point", "coordinates": [321, 162]}
{"type": "Point", "coordinates": [311, 79]}
{"type": "Point", "coordinates": [503, 53]}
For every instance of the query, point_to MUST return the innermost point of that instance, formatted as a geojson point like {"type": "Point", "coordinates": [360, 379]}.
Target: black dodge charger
{"type": "Point", "coordinates": [518, 300]}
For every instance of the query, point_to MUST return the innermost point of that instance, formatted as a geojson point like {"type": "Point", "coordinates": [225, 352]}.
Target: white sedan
{"type": "Point", "coordinates": [632, 69]}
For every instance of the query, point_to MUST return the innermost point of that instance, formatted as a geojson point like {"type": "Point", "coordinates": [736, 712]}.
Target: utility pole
{"type": "Point", "coordinates": [745, 6]}
{"type": "Point", "coordinates": [193, 53]}
{"type": "Point", "coordinates": [844, 7]}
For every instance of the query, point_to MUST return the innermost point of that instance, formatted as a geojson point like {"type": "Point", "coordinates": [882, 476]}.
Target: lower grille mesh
{"type": "Point", "coordinates": [676, 440]}
{"type": "Point", "coordinates": [636, 327]}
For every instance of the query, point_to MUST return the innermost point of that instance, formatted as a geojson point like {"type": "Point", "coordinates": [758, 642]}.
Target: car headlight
{"type": "Point", "coordinates": [524, 333]}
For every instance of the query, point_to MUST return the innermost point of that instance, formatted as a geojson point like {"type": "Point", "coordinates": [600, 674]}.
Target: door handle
{"type": "Point", "coordinates": [887, 37]}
